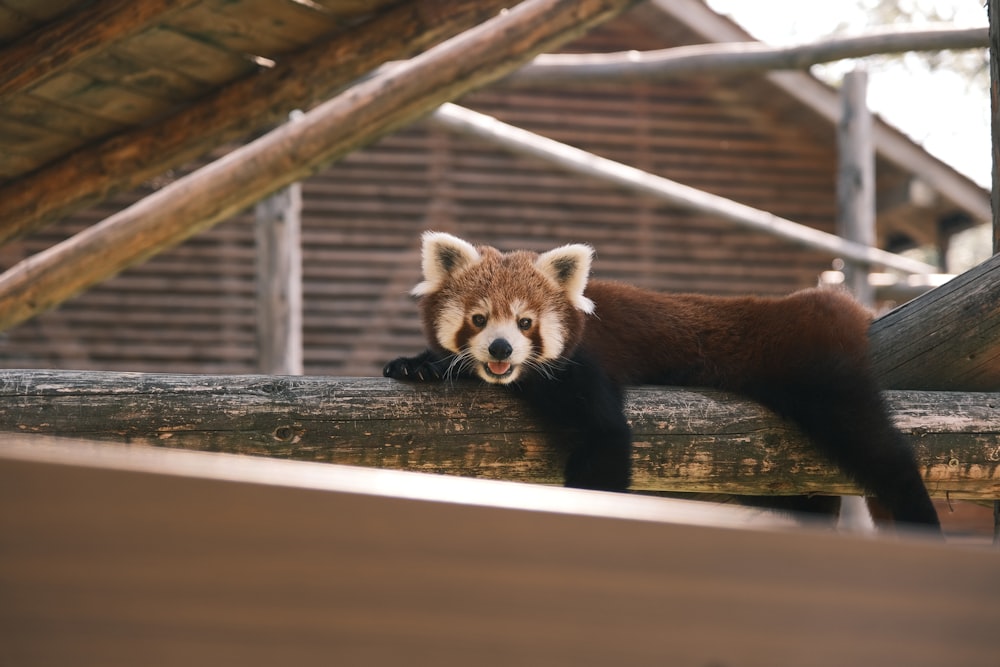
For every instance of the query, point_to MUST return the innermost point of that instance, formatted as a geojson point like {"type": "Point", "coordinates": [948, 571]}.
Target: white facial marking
{"type": "Point", "coordinates": [449, 322]}
{"type": "Point", "coordinates": [553, 338]}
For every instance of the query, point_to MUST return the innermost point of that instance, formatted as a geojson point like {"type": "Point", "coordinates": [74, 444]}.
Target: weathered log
{"type": "Point", "coordinates": [947, 339]}
{"type": "Point", "coordinates": [685, 440]}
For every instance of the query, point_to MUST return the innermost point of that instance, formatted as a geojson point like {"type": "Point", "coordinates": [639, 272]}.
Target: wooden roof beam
{"type": "Point", "coordinates": [65, 42]}
{"type": "Point", "coordinates": [353, 119]}
{"type": "Point", "coordinates": [299, 80]}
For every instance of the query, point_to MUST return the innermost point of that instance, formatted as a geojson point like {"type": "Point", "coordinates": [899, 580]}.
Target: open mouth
{"type": "Point", "coordinates": [499, 369]}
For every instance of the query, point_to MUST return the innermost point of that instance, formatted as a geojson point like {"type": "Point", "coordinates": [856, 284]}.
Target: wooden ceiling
{"type": "Point", "coordinates": [97, 96]}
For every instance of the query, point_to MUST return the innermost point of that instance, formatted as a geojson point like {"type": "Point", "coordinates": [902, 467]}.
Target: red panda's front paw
{"type": "Point", "coordinates": [421, 368]}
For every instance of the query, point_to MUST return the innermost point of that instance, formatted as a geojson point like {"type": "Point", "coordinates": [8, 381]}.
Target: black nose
{"type": "Point", "coordinates": [500, 349]}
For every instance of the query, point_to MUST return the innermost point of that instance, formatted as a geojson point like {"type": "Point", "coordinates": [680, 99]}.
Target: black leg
{"type": "Point", "coordinates": [584, 408]}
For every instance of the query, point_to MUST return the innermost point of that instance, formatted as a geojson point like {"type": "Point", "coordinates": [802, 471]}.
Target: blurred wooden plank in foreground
{"type": "Point", "coordinates": [113, 555]}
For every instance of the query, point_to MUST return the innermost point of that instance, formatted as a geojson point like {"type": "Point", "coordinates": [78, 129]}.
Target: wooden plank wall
{"type": "Point", "coordinates": [191, 309]}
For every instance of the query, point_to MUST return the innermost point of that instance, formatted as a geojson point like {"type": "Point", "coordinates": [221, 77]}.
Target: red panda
{"type": "Point", "coordinates": [537, 325]}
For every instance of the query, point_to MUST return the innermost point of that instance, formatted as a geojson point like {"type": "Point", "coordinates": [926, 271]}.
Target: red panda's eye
{"type": "Point", "coordinates": [524, 323]}
{"type": "Point", "coordinates": [479, 320]}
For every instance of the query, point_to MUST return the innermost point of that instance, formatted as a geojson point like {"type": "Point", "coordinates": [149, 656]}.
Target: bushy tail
{"type": "Point", "coordinates": [844, 415]}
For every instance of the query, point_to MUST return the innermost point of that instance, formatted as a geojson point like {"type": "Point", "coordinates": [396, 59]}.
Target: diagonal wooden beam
{"type": "Point", "coordinates": [299, 80]}
{"type": "Point", "coordinates": [575, 160]}
{"type": "Point", "coordinates": [355, 118]}
{"type": "Point", "coordinates": [947, 339]}
{"type": "Point", "coordinates": [65, 42]}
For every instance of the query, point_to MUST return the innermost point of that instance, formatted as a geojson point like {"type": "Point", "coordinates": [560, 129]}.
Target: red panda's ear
{"type": "Point", "coordinates": [568, 267]}
{"type": "Point", "coordinates": [443, 256]}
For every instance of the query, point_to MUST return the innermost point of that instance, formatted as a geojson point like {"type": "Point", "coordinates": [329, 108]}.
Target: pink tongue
{"type": "Point", "coordinates": [498, 367]}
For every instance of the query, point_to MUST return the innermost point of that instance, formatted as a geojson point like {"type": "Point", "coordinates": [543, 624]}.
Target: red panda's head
{"type": "Point", "coordinates": [503, 314]}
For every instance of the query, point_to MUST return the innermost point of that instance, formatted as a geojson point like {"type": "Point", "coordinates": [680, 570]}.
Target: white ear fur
{"type": "Point", "coordinates": [442, 256]}
{"type": "Point", "coordinates": [568, 267]}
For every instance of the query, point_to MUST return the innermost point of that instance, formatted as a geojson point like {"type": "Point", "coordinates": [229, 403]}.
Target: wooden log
{"type": "Point", "coordinates": [723, 59]}
{"type": "Point", "coordinates": [581, 162]}
{"type": "Point", "coordinates": [685, 440]}
{"type": "Point", "coordinates": [946, 339]}
{"type": "Point", "coordinates": [359, 116]}
{"type": "Point", "coordinates": [299, 80]}
{"type": "Point", "coordinates": [278, 234]}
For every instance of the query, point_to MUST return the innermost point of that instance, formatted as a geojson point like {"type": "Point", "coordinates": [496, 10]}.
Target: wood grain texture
{"type": "Point", "coordinates": [164, 557]}
{"type": "Point", "coordinates": [685, 440]}
{"type": "Point", "coordinates": [947, 339]}
{"type": "Point", "coordinates": [64, 43]}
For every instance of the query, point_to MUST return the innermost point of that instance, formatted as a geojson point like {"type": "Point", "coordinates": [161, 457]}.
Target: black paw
{"type": "Point", "coordinates": [414, 369]}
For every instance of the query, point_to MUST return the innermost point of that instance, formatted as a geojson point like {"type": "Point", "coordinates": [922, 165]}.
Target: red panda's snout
{"type": "Point", "coordinates": [501, 350]}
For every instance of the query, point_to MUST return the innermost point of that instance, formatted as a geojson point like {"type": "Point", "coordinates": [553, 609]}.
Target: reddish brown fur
{"type": "Point", "coordinates": [646, 337]}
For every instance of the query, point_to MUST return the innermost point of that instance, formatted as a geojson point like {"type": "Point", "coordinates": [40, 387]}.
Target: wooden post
{"type": "Point", "coordinates": [856, 221]}
{"type": "Point", "coordinates": [993, 9]}
{"type": "Point", "coordinates": [856, 179]}
{"type": "Point", "coordinates": [279, 280]}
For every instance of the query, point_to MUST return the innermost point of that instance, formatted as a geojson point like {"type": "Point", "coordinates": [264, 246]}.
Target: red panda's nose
{"type": "Point", "coordinates": [500, 349]}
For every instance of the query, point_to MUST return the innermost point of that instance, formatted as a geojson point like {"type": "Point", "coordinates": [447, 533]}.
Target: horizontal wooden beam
{"type": "Point", "coordinates": [946, 339]}
{"type": "Point", "coordinates": [575, 160]}
{"type": "Point", "coordinates": [685, 440]}
{"type": "Point", "coordinates": [736, 57]}
{"type": "Point", "coordinates": [333, 129]}
{"type": "Point", "coordinates": [248, 105]}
